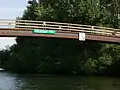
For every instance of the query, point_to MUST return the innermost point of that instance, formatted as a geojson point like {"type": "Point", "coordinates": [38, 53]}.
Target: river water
{"type": "Point", "coordinates": [9, 81]}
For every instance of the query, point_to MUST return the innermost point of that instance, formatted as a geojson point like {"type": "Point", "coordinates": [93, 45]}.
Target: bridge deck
{"type": "Point", "coordinates": [63, 30]}
{"type": "Point", "coordinates": [21, 32]}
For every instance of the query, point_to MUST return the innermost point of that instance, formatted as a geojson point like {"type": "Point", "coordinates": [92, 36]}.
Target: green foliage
{"type": "Point", "coordinates": [52, 55]}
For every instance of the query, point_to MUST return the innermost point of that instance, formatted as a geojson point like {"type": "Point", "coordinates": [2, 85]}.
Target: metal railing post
{"type": "Point", "coordinates": [44, 25]}
{"type": "Point", "coordinates": [9, 25]}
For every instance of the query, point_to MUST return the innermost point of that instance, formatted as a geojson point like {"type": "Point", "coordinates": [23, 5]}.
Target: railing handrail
{"type": "Point", "coordinates": [32, 24]}
{"type": "Point", "coordinates": [53, 22]}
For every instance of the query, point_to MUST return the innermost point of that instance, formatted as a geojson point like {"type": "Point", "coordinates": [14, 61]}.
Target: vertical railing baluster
{"type": "Point", "coordinates": [25, 24]}
{"type": "Point", "coordinates": [17, 23]}
{"type": "Point", "coordinates": [60, 29]}
{"type": "Point", "coordinates": [69, 27]}
{"type": "Point", "coordinates": [44, 25]}
{"type": "Point", "coordinates": [9, 25]}
{"type": "Point", "coordinates": [92, 28]}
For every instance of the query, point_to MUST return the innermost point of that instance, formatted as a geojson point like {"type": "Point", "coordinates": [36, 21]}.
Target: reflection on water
{"type": "Point", "coordinates": [37, 82]}
{"type": "Point", "coordinates": [7, 81]}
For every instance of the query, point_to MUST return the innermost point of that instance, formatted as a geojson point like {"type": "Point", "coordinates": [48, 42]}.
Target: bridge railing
{"type": "Point", "coordinates": [7, 23]}
{"type": "Point", "coordinates": [59, 27]}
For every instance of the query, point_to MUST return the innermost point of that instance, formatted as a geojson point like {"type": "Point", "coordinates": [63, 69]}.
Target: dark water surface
{"type": "Point", "coordinates": [10, 81]}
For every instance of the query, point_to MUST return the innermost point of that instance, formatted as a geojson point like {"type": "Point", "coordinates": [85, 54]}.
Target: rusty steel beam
{"type": "Point", "coordinates": [20, 32]}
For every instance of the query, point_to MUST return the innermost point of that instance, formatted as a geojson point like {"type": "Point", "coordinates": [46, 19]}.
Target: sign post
{"type": "Point", "coordinates": [81, 36]}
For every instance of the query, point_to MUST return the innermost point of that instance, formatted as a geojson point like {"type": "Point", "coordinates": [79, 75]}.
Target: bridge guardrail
{"type": "Point", "coordinates": [60, 27]}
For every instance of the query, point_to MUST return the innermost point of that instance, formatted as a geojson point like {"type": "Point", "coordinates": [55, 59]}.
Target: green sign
{"type": "Point", "coordinates": [37, 31]}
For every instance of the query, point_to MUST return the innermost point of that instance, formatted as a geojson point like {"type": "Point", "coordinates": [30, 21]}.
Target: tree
{"type": "Point", "coordinates": [50, 55]}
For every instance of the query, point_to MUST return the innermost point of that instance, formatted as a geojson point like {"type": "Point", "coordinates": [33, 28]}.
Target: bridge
{"type": "Point", "coordinates": [10, 28]}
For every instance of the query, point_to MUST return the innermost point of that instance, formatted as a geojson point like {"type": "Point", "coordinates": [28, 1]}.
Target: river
{"type": "Point", "coordinates": [9, 81]}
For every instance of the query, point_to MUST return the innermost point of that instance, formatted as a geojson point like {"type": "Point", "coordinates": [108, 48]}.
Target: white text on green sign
{"type": "Point", "coordinates": [44, 31]}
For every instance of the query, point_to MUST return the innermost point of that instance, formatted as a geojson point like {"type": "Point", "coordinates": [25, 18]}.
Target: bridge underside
{"type": "Point", "coordinates": [19, 32]}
